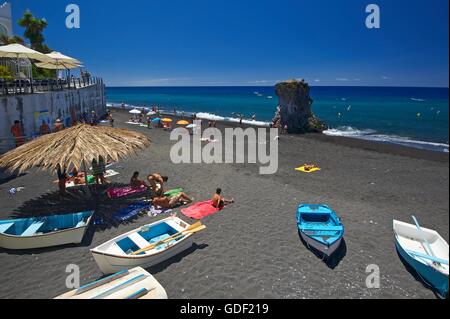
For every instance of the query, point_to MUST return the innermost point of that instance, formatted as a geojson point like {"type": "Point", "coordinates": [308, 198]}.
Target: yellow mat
{"type": "Point", "coordinates": [303, 169]}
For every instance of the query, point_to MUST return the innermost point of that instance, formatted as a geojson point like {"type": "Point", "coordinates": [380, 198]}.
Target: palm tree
{"type": "Point", "coordinates": [34, 28]}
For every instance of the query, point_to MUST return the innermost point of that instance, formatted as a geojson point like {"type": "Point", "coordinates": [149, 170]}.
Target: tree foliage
{"type": "Point", "coordinates": [34, 31]}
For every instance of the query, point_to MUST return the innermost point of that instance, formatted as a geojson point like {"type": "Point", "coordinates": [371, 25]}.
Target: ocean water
{"type": "Point", "coordinates": [414, 117]}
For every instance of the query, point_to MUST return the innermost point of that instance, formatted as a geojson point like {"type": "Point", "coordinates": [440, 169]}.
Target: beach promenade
{"type": "Point", "coordinates": [251, 249]}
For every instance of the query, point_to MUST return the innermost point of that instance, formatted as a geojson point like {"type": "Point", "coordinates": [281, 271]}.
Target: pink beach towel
{"type": "Point", "coordinates": [200, 210]}
{"type": "Point", "coordinates": [124, 191]}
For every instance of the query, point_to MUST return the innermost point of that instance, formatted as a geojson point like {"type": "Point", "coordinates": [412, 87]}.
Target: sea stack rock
{"type": "Point", "coordinates": [294, 110]}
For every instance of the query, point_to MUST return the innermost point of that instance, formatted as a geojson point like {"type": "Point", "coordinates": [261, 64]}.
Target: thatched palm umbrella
{"type": "Point", "coordinates": [73, 147]}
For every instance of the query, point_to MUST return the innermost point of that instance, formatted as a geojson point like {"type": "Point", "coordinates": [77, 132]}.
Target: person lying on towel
{"type": "Point", "coordinates": [172, 202]}
{"type": "Point", "coordinates": [218, 201]}
{"type": "Point", "coordinates": [135, 182]}
{"type": "Point", "coordinates": [156, 182]}
{"type": "Point", "coordinates": [77, 177]}
{"type": "Point", "coordinates": [308, 167]}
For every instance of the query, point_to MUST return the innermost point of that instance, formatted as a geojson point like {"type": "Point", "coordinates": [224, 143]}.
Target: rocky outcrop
{"type": "Point", "coordinates": [294, 110]}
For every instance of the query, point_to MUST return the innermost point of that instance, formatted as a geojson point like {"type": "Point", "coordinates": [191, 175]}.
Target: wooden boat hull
{"type": "Point", "coordinates": [326, 250]}
{"type": "Point", "coordinates": [50, 239]}
{"type": "Point", "coordinates": [110, 258]}
{"type": "Point", "coordinates": [133, 284]}
{"type": "Point", "coordinates": [320, 228]}
{"type": "Point", "coordinates": [408, 241]}
{"type": "Point", "coordinates": [109, 264]}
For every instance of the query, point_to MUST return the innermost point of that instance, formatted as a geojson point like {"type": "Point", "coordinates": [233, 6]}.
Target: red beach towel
{"type": "Point", "coordinates": [124, 191]}
{"type": "Point", "coordinates": [200, 210]}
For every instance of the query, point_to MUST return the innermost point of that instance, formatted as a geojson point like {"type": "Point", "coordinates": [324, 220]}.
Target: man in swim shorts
{"type": "Point", "coordinates": [218, 201]}
{"type": "Point", "coordinates": [166, 202]}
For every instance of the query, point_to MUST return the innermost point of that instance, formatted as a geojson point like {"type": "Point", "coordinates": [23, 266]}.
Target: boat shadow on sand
{"type": "Point", "coordinates": [417, 277]}
{"type": "Point", "coordinates": [333, 261]}
{"type": "Point", "coordinates": [78, 199]}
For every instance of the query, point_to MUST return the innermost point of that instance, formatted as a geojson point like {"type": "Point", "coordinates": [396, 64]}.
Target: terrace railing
{"type": "Point", "coordinates": [29, 86]}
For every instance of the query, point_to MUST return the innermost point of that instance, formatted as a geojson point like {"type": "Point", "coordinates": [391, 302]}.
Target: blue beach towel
{"type": "Point", "coordinates": [131, 211]}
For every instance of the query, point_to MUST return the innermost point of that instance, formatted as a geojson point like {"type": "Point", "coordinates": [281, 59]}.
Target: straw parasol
{"type": "Point", "coordinates": [167, 120]}
{"type": "Point", "coordinates": [73, 147]}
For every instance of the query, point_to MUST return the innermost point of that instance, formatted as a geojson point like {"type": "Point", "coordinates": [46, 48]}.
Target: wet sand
{"type": "Point", "coordinates": [252, 248]}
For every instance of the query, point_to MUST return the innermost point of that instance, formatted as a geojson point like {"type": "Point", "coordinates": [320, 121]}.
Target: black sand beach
{"type": "Point", "coordinates": [252, 248]}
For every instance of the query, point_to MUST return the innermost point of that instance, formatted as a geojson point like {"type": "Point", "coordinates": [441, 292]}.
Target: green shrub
{"type": "Point", "coordinates": [5, 73]}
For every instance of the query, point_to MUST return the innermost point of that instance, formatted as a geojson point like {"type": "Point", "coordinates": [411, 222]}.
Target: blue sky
{"type": "Point", "coordinates": [252, 42]}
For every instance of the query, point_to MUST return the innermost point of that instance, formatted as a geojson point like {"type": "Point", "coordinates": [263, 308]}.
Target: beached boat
{"type": "Point", "coordinates": [40, 232]}
{"type": "Point", "coordinates": [426, 252]}
{"type": "Point", "coordinates": [146, 246]}
{"type": "Point", "coordinates": [126, 284]}
{"type": "Point", "coordinates": [320, 228]}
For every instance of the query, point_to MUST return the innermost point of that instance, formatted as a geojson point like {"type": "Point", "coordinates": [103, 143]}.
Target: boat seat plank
{"type": "Point", "coordinates": [32, 229]}
{"type": "Point", "coordinates": [139, 240]}
{"type": "Point", "coordinates": [80, 224]}
{"type": "Point", "coordinates": [5, 227]}
{"type": "Point", "coordinates": [435, 259]}
{"type": "Point", "coordinates": [321, 228]}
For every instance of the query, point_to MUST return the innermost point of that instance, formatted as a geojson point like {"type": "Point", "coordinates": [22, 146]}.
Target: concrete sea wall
{"type": "Point", "coordinates": [32, 109]}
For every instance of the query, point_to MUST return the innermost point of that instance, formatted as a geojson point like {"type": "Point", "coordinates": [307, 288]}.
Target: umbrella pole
{"type": "Point", "coordinates": [85, 175]}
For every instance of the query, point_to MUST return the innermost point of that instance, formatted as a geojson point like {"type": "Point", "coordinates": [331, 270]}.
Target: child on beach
{"type": "Point", "coordinates": [218, 201]}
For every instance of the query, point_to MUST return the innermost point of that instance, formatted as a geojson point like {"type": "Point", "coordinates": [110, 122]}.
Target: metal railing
{"type": "Point", "coordinates": [29, 86]}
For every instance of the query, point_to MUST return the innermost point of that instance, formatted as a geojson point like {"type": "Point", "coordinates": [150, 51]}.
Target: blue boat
{"type": "Point", "coordinates": [426, 252]}
{"type": "Point", "coordinates": [40, 232]}
{"type": "Point", "coordinates": [320, 228]}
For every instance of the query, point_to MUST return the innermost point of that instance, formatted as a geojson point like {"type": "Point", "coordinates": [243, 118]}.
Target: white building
{"type": "Point", "coordinates": [6, 25]}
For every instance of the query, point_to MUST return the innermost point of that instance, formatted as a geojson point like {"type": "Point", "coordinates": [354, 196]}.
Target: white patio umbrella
{"type": "Point", "coordinates": [19, 51]}
{"type": "Point", "coordinates": [57, 66]}
{"type": "Point", "coordinates": [135, 111]}
{"type": "Point", "coordinates": [151, 113]}
{"type": "Point", "coordinates": [61, 58]}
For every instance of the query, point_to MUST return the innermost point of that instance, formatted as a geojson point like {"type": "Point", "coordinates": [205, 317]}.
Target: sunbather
{"type": "Point", "coordinates": [309, 167]}
{"type": "Point", "coordinates": [218, 201]}
{"type": "Point", "coordinates": [135, 182]}
{"type": "Point", "coordinates": [156, 182]}
{"type": "Point", "coordinates": [166, 202]}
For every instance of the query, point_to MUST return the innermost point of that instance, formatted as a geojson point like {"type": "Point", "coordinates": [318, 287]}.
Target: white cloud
{"type": "Point", "coordinates": [385, 77]}
{"type": "Point", "coordinates": [342, 79]}
{"type": "Point", "coordinates": [317, 80]}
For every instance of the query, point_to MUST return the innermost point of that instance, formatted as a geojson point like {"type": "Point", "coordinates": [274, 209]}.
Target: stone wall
{"type": "Point", "coordinates": [32, 109]}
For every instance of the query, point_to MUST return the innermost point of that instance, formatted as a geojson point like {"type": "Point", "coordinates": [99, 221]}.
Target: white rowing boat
{"type": "Point", "coordinates": [146, 246]}
{"type": "Point", "coordinates": [426, 251]}
{"type": "Point", "coordinates": [126, 284]}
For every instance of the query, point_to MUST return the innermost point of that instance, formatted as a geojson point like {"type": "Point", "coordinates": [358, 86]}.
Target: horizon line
{"type": "Point", "coordinates": [271, 86]}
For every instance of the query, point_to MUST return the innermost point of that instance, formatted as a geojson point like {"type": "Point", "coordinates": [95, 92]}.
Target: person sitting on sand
{"type": "Point", "coordinates": [135, 182]}
{"type": "Point", "coordinates": [172, 202]}
{"type": "Point", "coordinates": [218, 201]}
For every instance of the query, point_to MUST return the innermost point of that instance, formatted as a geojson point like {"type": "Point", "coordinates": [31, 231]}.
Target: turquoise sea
{"type": "Point", "coordinates": [415, 117]}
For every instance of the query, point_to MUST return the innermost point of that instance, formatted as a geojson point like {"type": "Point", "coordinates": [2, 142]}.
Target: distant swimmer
{"type": "Point", "coordinates": [349, 108]}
